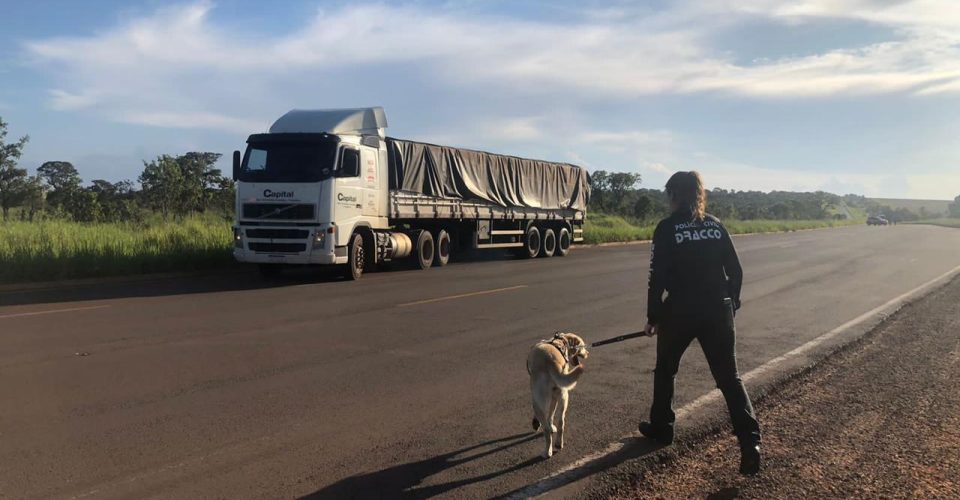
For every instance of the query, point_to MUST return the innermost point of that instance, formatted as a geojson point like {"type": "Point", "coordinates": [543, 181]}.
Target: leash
{"type": "Point", "coordinates": [621, 338]}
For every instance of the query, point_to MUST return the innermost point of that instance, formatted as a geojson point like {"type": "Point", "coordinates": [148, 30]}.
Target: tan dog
{"type": "Point", "coordinates": [554, 366]}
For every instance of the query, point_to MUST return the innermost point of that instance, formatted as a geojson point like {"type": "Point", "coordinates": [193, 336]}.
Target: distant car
{"type": "Point", "coordinates": [877, 220]}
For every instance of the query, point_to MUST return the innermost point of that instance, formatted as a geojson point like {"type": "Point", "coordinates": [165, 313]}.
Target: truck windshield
{"type": "Point", "coordinates": [288, 161]}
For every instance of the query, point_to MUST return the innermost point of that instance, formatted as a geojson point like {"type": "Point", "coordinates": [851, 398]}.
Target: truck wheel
{"type": "Point", "coordinates": [531, 242]}
{"type": "Point", "coordinates": [425, 249]}
{"type": "Point", "coordinates": [563, 242]}
{"type": "Point", "coordinates": [549, 243]}
{"type": "Point", "coordinates": [357, 257]}
{"type": "Point", "coordinates": [443, 249]}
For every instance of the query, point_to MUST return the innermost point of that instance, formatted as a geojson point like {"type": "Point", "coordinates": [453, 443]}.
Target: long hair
{"type": "Point", "coordinates": [686, 189]}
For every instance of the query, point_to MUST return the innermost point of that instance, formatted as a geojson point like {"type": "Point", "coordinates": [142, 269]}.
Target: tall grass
{"type": "Point", "coordinates": [53, 250]}
{"type": "Point", "coordinates": [602, 228]}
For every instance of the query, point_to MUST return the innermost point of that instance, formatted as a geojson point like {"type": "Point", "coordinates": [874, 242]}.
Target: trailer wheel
{"type": "Point", "coordinates": [549, 243]}
{"type": "Point", "coordinates": [357, 257]}
{"type": "Point", "coordinates": [425, 249]}
{"type": "Point", "coordinates": [443, 249]}
{"type": "Point", "coordinates": [531, 242]}
{"type": "Point", "coordinates": [563, 242]}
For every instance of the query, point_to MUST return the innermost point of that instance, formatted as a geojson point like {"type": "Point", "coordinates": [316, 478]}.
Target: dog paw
{"type": "Point", "coordinates": [553, 428]}
{"type": "Point", "coordinates": [547, 454]}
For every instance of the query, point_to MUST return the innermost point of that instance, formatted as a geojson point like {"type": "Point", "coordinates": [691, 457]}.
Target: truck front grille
{"type": "Point", "coordinates": [278, 211]}
{"type": "Point", "coordinates": [289, 234]}
{"type": "Point", "coordinates": [277, 247]}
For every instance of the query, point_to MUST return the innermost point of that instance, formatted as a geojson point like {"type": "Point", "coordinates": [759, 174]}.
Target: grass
{"type": "Point", "coordinates": [602, 228]}
{"type": "Point", "coordinates": [949, 222]}
{"type": "Point", "coordinates": [55, 250]}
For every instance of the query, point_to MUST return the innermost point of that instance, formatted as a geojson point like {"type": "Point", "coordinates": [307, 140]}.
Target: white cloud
{"type": "Point", "coordinates": [179, 60]}
{"type": "Point", "coordinates": [193, 120]}
{"type": "Point", "coordinates": [61, 100]}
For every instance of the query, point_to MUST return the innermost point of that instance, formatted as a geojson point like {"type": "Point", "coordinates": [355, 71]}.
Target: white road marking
{"type": "Point", "coordinates": [51, 311]}
{"type": "Point", "coordinates": [573, 471]}
{"type": "Point", "coordinates": [462, 295]}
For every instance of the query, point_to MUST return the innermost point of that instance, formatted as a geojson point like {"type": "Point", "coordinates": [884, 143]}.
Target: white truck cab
{"type": "Point", "coordinates": [305, 187]}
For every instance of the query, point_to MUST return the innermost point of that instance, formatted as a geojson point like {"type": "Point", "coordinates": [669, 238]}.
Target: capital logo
{"type": "Point", "coordinates": [277, 194]}
{"type": "Point", "coordinates": [343, 197]}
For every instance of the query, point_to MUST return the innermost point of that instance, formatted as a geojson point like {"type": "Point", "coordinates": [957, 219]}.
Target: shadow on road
{"type": "Point", "coordinates": [632, 448]}
{"type": "Point", "coordinates": [403, 480]}
{"type": "Point", "coordinates": [228, 281]}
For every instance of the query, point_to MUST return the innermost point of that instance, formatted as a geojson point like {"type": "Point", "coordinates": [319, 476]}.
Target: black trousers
{"type": "Point", "coordinates": [712, 325]}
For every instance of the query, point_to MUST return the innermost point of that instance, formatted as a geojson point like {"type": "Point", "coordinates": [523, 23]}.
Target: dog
{"type": "Point", "coordinates": [555, 365]}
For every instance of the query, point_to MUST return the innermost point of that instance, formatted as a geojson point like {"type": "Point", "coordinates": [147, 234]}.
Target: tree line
{"type": "Point", "coordinates": [619, 193]}
{"type": "Point", "coordinates": [170, 185]}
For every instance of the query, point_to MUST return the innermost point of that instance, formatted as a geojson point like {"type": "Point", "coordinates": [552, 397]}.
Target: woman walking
{"type": "Point", "coordinates": [693, 260]}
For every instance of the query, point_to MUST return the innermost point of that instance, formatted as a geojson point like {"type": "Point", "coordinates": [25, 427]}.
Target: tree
{"type": "Point", "coordinates": [178, 185]}
{"type": "Point", "coordinates": [13, 180]}
{"type": "Point", "coordinates": [619, 183]}
{"type": "Point", "coordinates": [63, 180]}
{"type": "Point", "coordinates": [114, 199]}
{"type": "Point", "coordinates": [599, 184]}
{"type": "Point", "coordinates": [162, 183]}
{"type": "Point", "coordinates": [642, 207]}
{"type": "Point", "coordinates": [33, 197]}
{"type": "Point", "coordinates": [954, 208]}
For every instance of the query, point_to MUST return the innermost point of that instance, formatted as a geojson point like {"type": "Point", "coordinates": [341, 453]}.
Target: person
{"type": "Point", "coordinates": [693, 260]}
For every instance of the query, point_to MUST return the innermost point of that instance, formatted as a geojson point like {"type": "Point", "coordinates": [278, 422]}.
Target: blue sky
{"type": "Point", "coordinates": [855, 96]}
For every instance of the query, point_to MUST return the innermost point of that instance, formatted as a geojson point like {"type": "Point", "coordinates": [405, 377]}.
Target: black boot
{"type": "Point", "coordinates": [750, 460]}
{"type": "Point", "coordinates": [662, 435]}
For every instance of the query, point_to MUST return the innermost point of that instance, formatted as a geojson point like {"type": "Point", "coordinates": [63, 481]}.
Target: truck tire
{"type": "Point", "coordinates": [549, 245]}
{"type": "Point", "coordinates": [443, 246]}
{"type": "Point", "coordinates": [357, 256]}
{"type": "Point", "coordinates": [425, 250]}
{"type": "Point", "coordinates": [531, 242]}
{"type": "Point", "coordinates": [563, 242]}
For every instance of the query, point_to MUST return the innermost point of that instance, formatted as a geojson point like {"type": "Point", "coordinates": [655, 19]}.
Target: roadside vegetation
{"type": "Point", "coordinates": [55, 249]}
{"type": "Point", "coordinates": [601, 228]}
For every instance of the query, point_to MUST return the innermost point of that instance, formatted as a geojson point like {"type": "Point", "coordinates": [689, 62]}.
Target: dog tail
{"type": "Point", "coordinates": [565, 380]}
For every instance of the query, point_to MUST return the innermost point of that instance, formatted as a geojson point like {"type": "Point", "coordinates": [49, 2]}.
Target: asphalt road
{"type": "Point", "coordinates": [404, 382]}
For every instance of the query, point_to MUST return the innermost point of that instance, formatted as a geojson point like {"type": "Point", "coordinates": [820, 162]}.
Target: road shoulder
{"type": "Point", "coordinates": [879, 417]}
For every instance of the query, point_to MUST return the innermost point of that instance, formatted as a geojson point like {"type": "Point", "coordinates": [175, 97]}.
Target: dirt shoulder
{"type": "Point", "coordinates": [879, 418]}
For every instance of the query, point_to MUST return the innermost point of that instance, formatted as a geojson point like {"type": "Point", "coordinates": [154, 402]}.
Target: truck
{"type": "Point", "coordinates": [328, 187]}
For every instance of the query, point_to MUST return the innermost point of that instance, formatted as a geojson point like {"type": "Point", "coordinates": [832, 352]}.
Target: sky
{"type": "Point", "coordinates": [846, 96]}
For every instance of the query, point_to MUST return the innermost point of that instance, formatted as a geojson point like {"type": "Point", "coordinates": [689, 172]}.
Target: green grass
{"type": "Point", "coordinates": [54, 250]}
{"type": "Point", "coordinates": [57, 250]}
{"type": "Point", "coordinates": [954, 222]}
{"type": "Point", "coordinates": [602, 228]}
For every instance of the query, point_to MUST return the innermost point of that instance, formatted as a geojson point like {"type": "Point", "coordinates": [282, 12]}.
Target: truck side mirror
{"type": "Point", "coordinates": [236, 164]}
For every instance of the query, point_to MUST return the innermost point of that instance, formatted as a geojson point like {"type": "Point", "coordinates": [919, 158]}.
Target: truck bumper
{"type": "Point", "coordinates": [323, 254]}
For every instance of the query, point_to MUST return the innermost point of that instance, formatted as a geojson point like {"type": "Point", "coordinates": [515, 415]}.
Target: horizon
{"type": "Point", "coordinates": [756, 95]}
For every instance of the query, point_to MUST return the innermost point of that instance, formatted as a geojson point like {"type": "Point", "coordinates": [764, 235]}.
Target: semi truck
{"type": "Point", "coordinates": [328, 187]}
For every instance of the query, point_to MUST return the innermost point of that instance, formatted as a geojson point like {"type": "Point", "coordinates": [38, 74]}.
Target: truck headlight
{"type": "Point", "coordinates": [319, 238]}
{"type": "Point", "coordinates": [237, 237]}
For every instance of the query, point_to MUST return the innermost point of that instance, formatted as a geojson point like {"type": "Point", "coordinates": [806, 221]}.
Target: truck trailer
{"type": "Point", "coordinates": [328, 187]}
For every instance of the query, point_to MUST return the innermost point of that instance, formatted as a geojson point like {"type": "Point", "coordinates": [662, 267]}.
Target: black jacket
{"type": "Point", "coordinates": [694, 262]}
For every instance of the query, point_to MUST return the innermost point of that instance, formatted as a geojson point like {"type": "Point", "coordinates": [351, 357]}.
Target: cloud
{"type": "Point", "coordinates": [61, 100]}
{"type": "Point", "coordinates": [179, 60]}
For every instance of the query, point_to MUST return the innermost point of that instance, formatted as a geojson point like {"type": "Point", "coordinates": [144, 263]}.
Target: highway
{"type": "Point", "coordinates": [405, 382]}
